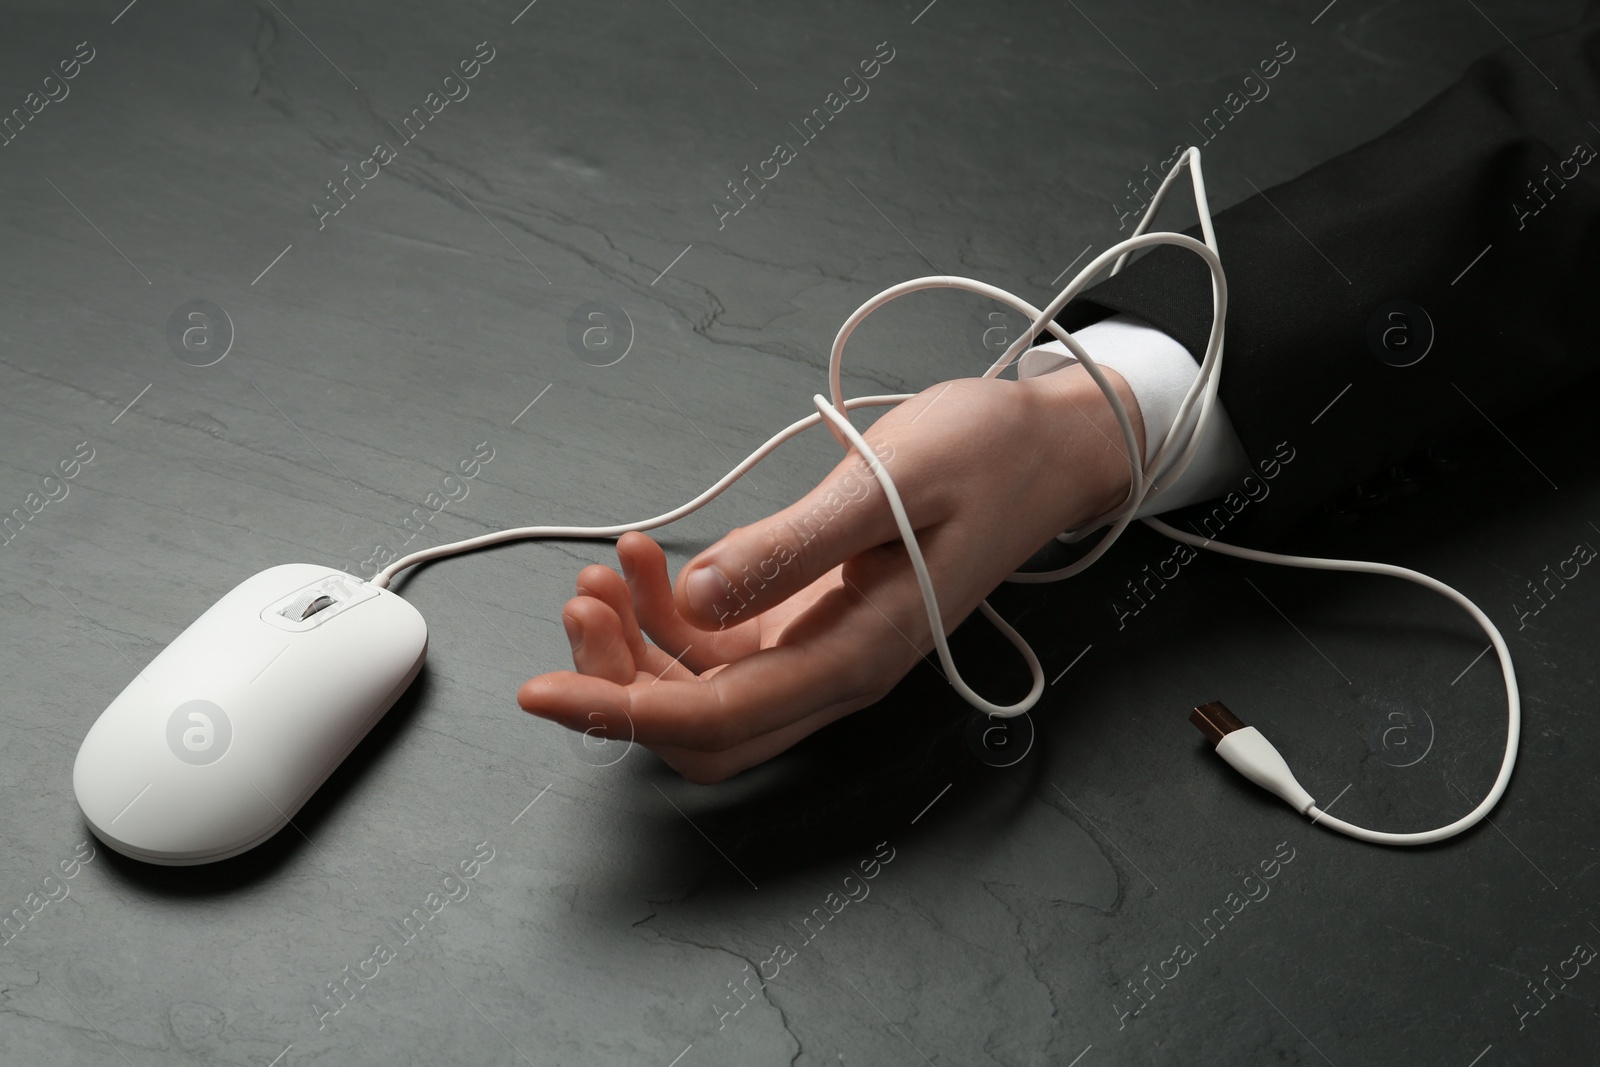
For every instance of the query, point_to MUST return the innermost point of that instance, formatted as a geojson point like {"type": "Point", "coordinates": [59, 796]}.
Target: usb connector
{"type": "Point", "coordinates": [1249, 753]}
{"type": "Point", "coordinates": [1215, 721]}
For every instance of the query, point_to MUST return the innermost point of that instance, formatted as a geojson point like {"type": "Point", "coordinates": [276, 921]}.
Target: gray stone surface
{"type": "Point", "coordinates": [621, 907]}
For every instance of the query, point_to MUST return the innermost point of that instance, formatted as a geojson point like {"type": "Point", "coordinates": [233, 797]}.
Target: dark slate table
{"type": "Point", "coordinates": [617, 914]}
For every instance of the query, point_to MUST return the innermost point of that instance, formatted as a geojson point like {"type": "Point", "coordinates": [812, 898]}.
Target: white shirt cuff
{"type": "Point", "coordinates": [1159, 371]}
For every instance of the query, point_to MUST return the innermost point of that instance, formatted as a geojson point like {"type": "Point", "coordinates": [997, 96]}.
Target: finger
{"type": "Point", "coordinates": [607, 586]}
{"type": "Point", "coordinates": [599, 647]}
{"type": "Point", "coordinates": [848, 659]}
{"type": "Point", "coordinates": [644, 568]}
{"type": "Point", "coordinates": [760, 565]}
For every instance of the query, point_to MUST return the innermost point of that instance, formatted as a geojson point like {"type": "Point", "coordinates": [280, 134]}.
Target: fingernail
{"type": "Point", "coordinates": [709, 591]}
{"type": "Point", "coordinates": [574, 632]}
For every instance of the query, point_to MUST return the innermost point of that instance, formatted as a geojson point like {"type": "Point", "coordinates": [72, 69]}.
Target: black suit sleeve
{"type": "Point", "coordinates": [1503, 160]}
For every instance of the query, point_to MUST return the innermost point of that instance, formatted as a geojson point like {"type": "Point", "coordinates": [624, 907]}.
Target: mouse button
{"type": "Point", "coordinates": [302, 705]}
{"type": "Point", "coordinates": [221, 637]}
{"type": "Point", "coordinates": [217, 670]}
{"type": "Point", "coordinates": [404, 623]}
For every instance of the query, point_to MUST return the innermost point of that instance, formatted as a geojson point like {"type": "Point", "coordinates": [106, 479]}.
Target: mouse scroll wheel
{"type": "Point", "coordinates": [317, 605]}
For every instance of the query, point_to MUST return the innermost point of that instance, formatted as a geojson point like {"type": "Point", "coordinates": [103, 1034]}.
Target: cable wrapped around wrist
{"type": "Point", "coordinates": [1147, 481]}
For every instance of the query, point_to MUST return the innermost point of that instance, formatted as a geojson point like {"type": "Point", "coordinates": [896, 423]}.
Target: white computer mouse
{"type": "Point", "coordinates": [216, 744]}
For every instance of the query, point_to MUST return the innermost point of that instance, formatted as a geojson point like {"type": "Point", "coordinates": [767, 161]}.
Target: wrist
{"type": "Point", "coordinates": [1087, 456]}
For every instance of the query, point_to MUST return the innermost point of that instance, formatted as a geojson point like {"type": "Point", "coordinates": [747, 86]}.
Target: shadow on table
{"type": "Point", "coordinates": [843, 789]}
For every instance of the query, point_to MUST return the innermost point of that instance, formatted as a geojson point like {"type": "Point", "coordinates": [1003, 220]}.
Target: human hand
{"type": "Point", "coordinates": [792, 622]}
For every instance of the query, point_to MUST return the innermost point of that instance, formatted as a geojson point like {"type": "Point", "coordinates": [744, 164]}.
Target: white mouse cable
{"type": "Point", "coordinates": [1245, 748]}
{"type": "Point", "coordinates": [1255, 757]}
{"type": "Point", "coordinates": [523, 533]}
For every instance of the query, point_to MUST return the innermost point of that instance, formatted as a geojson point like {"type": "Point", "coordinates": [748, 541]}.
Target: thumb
{"type": "Point", "coordinates": [762, 564]}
